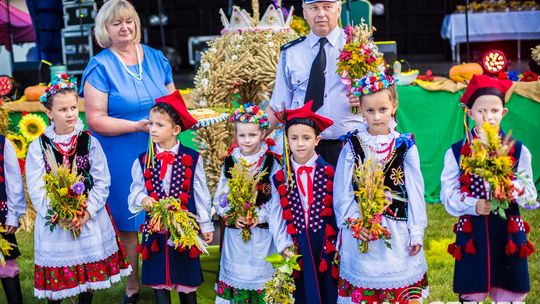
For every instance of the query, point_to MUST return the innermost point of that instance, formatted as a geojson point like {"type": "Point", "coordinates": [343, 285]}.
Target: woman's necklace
{"type": "Point", "coordinates": [137, 76]}
{"type": "Point", "coordinates": [68, 149]}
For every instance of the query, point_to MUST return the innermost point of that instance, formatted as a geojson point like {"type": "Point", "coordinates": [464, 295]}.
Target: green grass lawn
{"type": "Point", "coordinates": [439, 235]}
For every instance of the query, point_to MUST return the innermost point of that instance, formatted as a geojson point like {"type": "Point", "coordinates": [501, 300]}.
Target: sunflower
{"type": "Point", "coordinates": [20, 143]}
{"type": "Point", "coordinates": [31, 126]}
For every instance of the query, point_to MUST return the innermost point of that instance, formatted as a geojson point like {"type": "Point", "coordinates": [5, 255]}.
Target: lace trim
{"type": "Point", "coordinates": [222, 301]}
{"type": "Point", "coordinates": [66, 293]}
{"type": "Point", "coordinates": [351, 278]}
{"type": "Point", "coordinates": [47, 262]}
{"type": "Point", "coordinates": [236, 153]}
{"type": "Point", "coordinates": [348, 300]}
{"type": "Point", "coordinates": [49, 132]}
{"type": "Point", "coordinates": [244, 285]}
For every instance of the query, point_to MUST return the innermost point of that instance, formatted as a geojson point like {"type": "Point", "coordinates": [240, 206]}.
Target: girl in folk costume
{"type": "Point", "coordinates": [302, 213]}
{"type": "Point", "coordinates": [12, 207]}
{"type": "Point", "coordinates": [382, 274]}
{"type": "Point", "coordinates": [490, 251]}
{"type": "Point", "coordinates": [243, 269]}
{"type": "Point", "coordinates": [66, 266]}
{"type": "Point", "coordinates": [178, 172]}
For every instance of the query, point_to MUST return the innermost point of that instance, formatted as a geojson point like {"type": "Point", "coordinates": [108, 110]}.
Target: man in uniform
{"type": "Point", "coordinates": [307, 71]}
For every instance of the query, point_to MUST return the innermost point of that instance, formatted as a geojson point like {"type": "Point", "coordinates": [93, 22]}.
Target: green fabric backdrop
{"type": "Point", "coordinates": [436, 120]}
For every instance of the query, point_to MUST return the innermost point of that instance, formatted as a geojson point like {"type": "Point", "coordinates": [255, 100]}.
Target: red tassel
{"type": "Point", "coordinates": [282, 190]}
{"type": "Point", "coordinates": [187, 160]}
{"type": "Point", "coordinates": [181, 249]}
{"type": "Point", "coordinates": [329, 186]}
{"type": "Point", "coordinates": [193, 252]}
{"type": "Point", "coordinates": [457, 253]}
{"type": "Point", "coordinates": [334, 271]}
{"type": "Point", "coordinates": [323, 267]}
{"type": "Point", "coordinates": [512, 226]}
{"type": "Point", "coordinates": [184, 198]}
{"type": "Point", "coordinates": [148, 185]}
{"type": "Point", "coordinates": [329, 170]}
{"type": "Point", "coordinates": [188, 174]}
{"type": "Point", "coordinates": [330, 248]}
{"type": "Point", "coordinates": [296, 274]}
{"type": "Point", "coordinates": [147, 174]}
{"type": "Point", "coordinates": [455, 227]}
{"type": "Point", "coordinates": [510, 248]}
{"type": "Point", "coordinates": [287, 215]}
{"type": "Point", "coordinates": [300, 262]}
{"type": "Point", "coordinates": [329, 231]}
{"type": "Point", "coordinates": [139, 248]}
{"type": "Point", "coordinates": [154, 196]}
{"type": "Point", "coordinates": [155, 246]}
{"type": "Point", "coordinates": [467, 226]}
{"type": "Point", "coordinates": [291, 229]}
{"type": "Point", "coordinates": [327, 201]}
{"type": "Point", "coordinates": [527, 227]}
{"type": "Point", "coordinates": [469, 248]}
{"type": "Point", "coordinates": [186, 184]}
{"type": "Point", "coordinates": [530, 245]}
{"type": "Point", "coordinates": [280, 176]}
{"type": "Point", "coordinates": [145, 254]}
{"type": "Point", "coordinates": [524, 251]}
{"type": "Point", "coordinates": [327, 212]}
{"type": "Point", "coordinates": [284, 202]}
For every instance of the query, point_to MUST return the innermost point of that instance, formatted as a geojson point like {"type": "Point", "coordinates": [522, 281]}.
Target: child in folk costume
{"type": "Point", "coordinates": [382, 274]}
{"type": "Point", "coordinates": [243, 269]}
{"type": "Point", "coordinates": [12, 207]}
{"type": "Point", "coordinates": [66, 266]}
{"type": "Point", "coordinates": [178, 172]}
{"type": "Point", "coordinates": [302, 213]}
{"type": "Point", "coordinates": [490, 251]}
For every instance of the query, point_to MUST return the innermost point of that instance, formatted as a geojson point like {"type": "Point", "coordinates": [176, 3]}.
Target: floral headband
{"type": "Point", "coordinates": [58, 83]}
{"type": "Point", "coordinates": [371, 83]}
{"type": "Point", "coordinates": [250, 113]}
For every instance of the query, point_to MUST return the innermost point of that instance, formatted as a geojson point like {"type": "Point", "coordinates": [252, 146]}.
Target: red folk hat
{"type": "Point", "coordinates": [176, 101]}
{"type": "Point", "coordinates": [305, 112]}
{"type": "Point", "coordinates": [484, 85]}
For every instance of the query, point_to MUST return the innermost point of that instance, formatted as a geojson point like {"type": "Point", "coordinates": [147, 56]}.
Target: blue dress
{"type": "Point", "coordinates": [129, 99]}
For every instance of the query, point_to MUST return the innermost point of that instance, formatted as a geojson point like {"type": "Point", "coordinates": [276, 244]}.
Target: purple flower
{"type": "Point", "coordinates": [223, 201]}
{"type": "Point", "coordinates": [170, 243]}
{"type": "Point", "coordinates": [248, 205]}
{"type": "Point", "coordinates": [78, 187]}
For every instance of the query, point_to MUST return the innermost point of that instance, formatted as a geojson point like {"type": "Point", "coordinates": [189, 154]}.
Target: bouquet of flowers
{"type": "Point", "coordinates": [359, 56]}
{"type": "Point", "coordinates": [5, 247]}
{"type": "Point", "coordinates": [372, 197]}
{"type": "Point", "coordinates": [280, 288]}
{"type": "Point", "coordinates": [243, 195]}
{"type": "Point", "coordinates": [488, 157]}
{"type": "Point", "coordinates": [65, 191]}
{"type": "Point", "coordinates": [181, 224]}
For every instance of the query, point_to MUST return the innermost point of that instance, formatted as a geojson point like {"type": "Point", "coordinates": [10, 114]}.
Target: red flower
{"type": "Point", "coordinates": [329, 170]}
{"type": "Point", "coordinates": [372, 79]}
{"type": "Point", "coordinates": [155, 246]}
{"type": "Point", "coordinates": [148, 185]}
{"type": "Point", "coordinates": [510, 248]}
{"type": "Point", "coordinates": [287, 215]}
{"type": "Point", "coordinates": [284, 202]}
{"type": "Point", "coordinates": [323, 267]}
{"type": "Point", "coordinates": [529, 76]}
{"type": "Point", "coordinates": [255, 109]}
{"type": "Point", "coordinates": [329, 186]}
{"type": "Point", "coordinates": [184, 198]}
{"type": "Point", "coordinates": [187, 160]}
{"type": "Point", "coordinates": [64, 76]}
{"type": "Point", "coordinates": [147, 174]}
{"type": "Point", "coordinates": [282, 190]}
{"type": "Point", "coordinates": [466, 150]}
{"type": "Point", "coordinates": [280, 176]}
{"type": "Point", "coordinates": [188, 174]}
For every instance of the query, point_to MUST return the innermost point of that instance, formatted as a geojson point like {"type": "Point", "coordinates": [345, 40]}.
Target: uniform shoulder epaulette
{"type": "Point", "coordinates": [291, 43]}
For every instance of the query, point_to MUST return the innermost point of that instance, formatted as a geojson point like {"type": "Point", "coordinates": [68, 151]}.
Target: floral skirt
{"type": "Point", "coordinates": [228, 294]}
{"type": "Point", "coordinates": [400, 295]}
{"type": "Point", "coordinates": [57, 283]}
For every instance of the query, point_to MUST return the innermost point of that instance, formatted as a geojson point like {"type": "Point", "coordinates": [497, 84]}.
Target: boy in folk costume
{"type": "Point", "coordinates": [178, 172]}
{"type": "Point", "coordinates": [243, 269]}
{"type": "Point", "coordinates": [490, 251]}
{"type": "Point", "coordinates": [302, 212]}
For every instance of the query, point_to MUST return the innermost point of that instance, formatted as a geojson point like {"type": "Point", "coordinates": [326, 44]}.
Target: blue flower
{"type": "Point", "coordinates": [78, 187]}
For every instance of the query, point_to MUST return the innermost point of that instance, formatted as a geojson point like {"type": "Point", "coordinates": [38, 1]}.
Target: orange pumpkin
{"type": "Point", "coordinates": [33, 93]}
{"type": "Point", "coordinates": [464, 72]}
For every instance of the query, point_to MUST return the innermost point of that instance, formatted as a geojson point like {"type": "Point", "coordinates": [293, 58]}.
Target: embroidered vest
{"type": "Point", "coordinates": [80, 157]}
{"type": "Point", "coordinates": [265, 191]}
{"type": "Point", "coordinates": [3, 204]}
{"type": "Point", "coordinates": [394, 173]}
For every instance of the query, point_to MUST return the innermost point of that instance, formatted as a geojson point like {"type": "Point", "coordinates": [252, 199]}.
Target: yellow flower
{"type": "Point", "coordinates": [20, 143]}
{"type": "Point", "coordinates": [31, 126]}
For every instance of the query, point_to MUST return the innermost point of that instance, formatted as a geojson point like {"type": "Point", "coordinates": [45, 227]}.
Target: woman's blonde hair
{"type": "Point", "coordinates": [115, 10]}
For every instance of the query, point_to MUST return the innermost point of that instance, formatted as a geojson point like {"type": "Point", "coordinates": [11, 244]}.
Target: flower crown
{"type": "Point", "coordinates": [58, 83]}
{"type": "Point", "coordinates": [371, 83]}
{"type": "Point", "coordinates": [250, 113]}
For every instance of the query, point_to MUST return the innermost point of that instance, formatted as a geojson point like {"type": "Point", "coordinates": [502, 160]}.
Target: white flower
{"type": "Point", "coordinates": [234, 57]}
{"type": "Point", "coordinates": [212, 50]}
{"type": "Point", "coordinates": [204, 82]}
{"type": "Point", "coordinates": [238, 46]}
{"type": "Point", "coordinates": [205, 66]}
{"type": "Point", "coordinates": [268, 36]}
{"type": "Point", "coordinates": [270, 44]}
{"type": "Point", "coordinates": [203, 103]}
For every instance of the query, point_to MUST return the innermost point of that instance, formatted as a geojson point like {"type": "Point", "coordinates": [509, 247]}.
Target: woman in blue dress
{"type": "Point", "coordinates": [120, 85]}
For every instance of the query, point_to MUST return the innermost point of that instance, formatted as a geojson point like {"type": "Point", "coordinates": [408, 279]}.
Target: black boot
{"type": "Point", "coordinates": [188, 298]}
{"type": "Point", "coordinates": [12, 289]}
{"type": "Point", "coordinates": [85, 297]}
{"type": "Point", "coordinates": [162, 296]}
